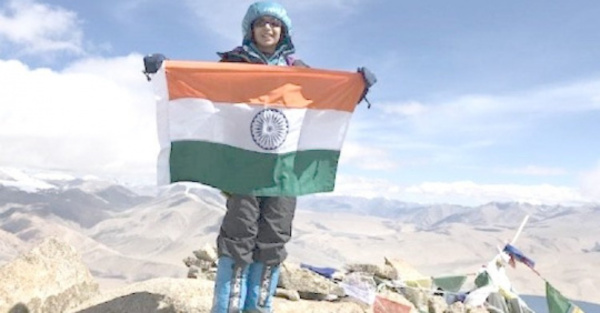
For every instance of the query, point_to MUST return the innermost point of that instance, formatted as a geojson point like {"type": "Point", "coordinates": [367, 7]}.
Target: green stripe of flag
{"type": "Point", "coordinates": [240, 171]}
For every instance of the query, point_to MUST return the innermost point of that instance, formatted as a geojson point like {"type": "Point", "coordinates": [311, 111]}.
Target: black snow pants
{"type": "Point", "coordinates": [256, 229]}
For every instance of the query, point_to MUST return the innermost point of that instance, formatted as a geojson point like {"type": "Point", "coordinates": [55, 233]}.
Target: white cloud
{"type": "Point", "coordinates": [366, 157]}
{"type": "Point", "coordinates": [365, 187]}
{"type": "Point", "coordinates": [457, 130]}
{"type": "Point", "coordinates": [470, 191]}
{"type": "Point", "coordinates": [35, 28]}
{"type": "Point", "coordinates": [482, 115]}
{"type": "Point", "coordinates": [460, 192]}
{"type": "Point", "coordinates": [590, 183]}
{"type": "Point", "coordinates": [582, 96]}
{"type": "Point", "coordinates": [97, 116]}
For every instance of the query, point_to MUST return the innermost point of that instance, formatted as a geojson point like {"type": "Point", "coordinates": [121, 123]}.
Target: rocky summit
{"type": "Point", "coordinates": [51, 278]}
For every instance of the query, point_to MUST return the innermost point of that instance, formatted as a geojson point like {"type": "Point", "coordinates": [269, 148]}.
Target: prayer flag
{"type": "Point", "coordinates": [557, 303]}
{"type": "Point", "coordinates": [450, 283]}
{"type": "Point", "coordinates": [383, 305]}
{"type": "Point", "coordinates": [516, 255]}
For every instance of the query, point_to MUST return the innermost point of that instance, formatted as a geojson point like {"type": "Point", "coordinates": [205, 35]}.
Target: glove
{"type": "Point", "coordinates": [368, 76]}
{"type": "Point", "coordinates": [152, 63]}
{"type": "Point", "coordinates": [370, 80]}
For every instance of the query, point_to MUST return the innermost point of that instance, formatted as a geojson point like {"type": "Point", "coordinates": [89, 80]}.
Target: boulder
{"type": "Point", "coordinates": [49, 278]}
{"type": "Point", "coordinates": [160, 295]}
{"type": "Point", "coordinates": [308, 283]}
{"type": "Point", "coordinates": [386, 271]}
{"type": "Point", "coordinates": [404, 270]}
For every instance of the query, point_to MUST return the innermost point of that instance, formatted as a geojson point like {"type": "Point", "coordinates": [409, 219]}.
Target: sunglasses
{"type": "Point", "coordinates": [263, 21]}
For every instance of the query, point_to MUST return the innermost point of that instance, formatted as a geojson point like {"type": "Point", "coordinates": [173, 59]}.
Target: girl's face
{"type": "Point", "coordinates": [266, 31]}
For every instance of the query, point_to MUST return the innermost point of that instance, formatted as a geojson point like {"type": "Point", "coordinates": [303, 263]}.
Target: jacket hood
{"type": "Point", "coordinates": [276, 10]}
{"type": "Point", "coordinates": [262, 8]}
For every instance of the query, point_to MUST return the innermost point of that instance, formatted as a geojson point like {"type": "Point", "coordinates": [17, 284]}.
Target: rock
{"type": "Point", "coordinates": [417, 297]}
{"type": "Point", "coordinates": [207, 253]}
{"type": "Point", "coordinates": [202, 264]}
{"type": "Point", "coordinates": [306, 282]}
{"type": "Point", "coordinates": [312, 296]}
{"type": "Point", "coordinates": [291, 295]}
{"type": "Point", "coordinates": [211, 275]}
{"type": "Point", "coordinates": [365, 307]}
{"type": "Point", "coordinates": [456, 307]}
{"type": "Point", "coordinates": [302, 306]}
{"type": "Point", "coordinates": [190, 261]}
{"type": "Point", "coordinates": [49, 278]}
{"type": "Point", "coordinates": [479, 309]}
{"type": "Point", "coordinates": [404, 270]}
{"type": "Point", "coordinates": [387, 271]}
{"type": "Point", "coordinates": [161, 295]}
{"type": "Point", "coordinates": [362, 268]}
{"type": "Point", "coordinates": [194, 272]}
{"type": "Point", "coordinates": [437, 304]}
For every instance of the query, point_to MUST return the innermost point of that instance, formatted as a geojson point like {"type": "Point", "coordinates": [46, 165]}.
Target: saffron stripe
{"type": "Point", "coordinates": [277, 86]}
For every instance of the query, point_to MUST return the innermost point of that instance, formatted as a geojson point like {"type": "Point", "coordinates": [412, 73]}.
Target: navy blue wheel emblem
{"type": "Point", "coordinates": [269, 128]}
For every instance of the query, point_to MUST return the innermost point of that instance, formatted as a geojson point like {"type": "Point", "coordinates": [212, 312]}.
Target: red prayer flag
{"type": "Point", "coordinates": [383, 305]}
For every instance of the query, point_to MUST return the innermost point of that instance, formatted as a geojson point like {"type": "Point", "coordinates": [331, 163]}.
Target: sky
{"type": "Point", "coordinates": [476, 101]}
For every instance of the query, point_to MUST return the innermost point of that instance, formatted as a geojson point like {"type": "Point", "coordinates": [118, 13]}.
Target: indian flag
{"type": "Point", "coordinates": [253, 129]}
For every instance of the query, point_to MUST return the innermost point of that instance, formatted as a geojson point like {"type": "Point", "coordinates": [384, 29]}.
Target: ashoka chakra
{"type": "Point", "coordinates": [269, 128]}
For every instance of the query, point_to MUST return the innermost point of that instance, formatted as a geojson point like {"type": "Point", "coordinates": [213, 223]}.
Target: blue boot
{"type": "Point", "coordinates": [230, 287]}
{"type": "Point", "coordinates": [262, 283]}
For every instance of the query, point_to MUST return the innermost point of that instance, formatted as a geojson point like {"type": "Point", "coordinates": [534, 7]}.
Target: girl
{"type": "Point", "coordinates": [255, 229]}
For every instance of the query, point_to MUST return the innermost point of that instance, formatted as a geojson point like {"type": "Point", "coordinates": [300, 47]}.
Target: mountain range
{"type": "Point", "coordinates": [127, 234]}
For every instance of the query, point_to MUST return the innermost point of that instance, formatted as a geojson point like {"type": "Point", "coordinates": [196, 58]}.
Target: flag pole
{"type": "Point", "coordinates": [520, 230]}
{"type": "Point", "coordinates": [517, 237]}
